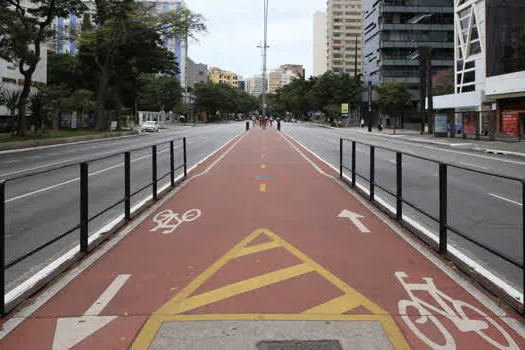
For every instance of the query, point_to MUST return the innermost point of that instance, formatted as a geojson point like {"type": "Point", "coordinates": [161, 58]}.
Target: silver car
{"type": "Point", "coordinates": [150, 125]}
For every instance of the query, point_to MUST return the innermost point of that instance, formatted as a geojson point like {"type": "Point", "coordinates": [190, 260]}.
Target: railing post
{"type": "Point", "coordinates": [353, 164]}
{"type": "Point", "coordinates": [127, 185]}
{"type": "Point", "coordinates": [341, 158]}
{"type": "Point", "coordinates": [2, 244]}
{"type": "Point", "coordinates": [523, 238]}
{"type": "Point", "coordinates": [172, 165]}
{"type": "Point", "coordinates": [185, 157]}
{"type": "Point", "coordinates": [84, 207]}
{"type": "Point", "coordinates": [442, 208]}
{"type": "Point", "coordinates": [372, 171]}
{"type": "Point", "coordinates": [247, 126]}
{"type": "Point", "coordinates": [399, 178]}
{"type": "Point", "coordinates": [278, 125]}
{"type": "Point", "coordinates": [154, 170]}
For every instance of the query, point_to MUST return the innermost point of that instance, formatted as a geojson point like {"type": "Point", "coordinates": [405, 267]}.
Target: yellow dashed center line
{"type": "Point", "coordinates": [262, 187]}
{"type": "Point", "coordinates": [263, 155]}
{"type": "Point", "coordinates": [263, 166]}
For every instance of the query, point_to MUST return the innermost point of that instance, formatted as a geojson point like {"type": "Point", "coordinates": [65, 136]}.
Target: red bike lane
{"type": "Point", "coordinates": [261, 233]}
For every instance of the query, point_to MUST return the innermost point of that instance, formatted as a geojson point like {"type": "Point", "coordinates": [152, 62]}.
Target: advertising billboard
{"type": "Point", "coordinates": [509, 121]}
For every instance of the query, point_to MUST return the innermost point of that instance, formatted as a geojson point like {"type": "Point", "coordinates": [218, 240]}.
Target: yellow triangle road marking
{"type": "Point", "coordinates": [333, 309]}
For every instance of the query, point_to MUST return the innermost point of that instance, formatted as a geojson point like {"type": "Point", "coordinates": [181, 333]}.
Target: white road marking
{"type": "Point", "coordinates": [505, 199]}
{"type": "Point", "coordinates": [76, 179]}
{"type": "Point", "coordinates": [106, 297]}
{"type": "Point", "coordinates": [392, 161]}
{"type": "Point", "coordinates": [70, 331]}
{"type": "Point", "coordinates": [33, 157]}
{"type": "Point", "coordinates": [473, 165]}
{"type": "Point", "coordinates": [10, 161]}
{"type": "Point", "coordinates": [355, 218]}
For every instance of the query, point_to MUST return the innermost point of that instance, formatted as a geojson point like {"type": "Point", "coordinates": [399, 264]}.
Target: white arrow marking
{"type": "Point", "coordinates": [355, 218]}
{"type": "Point", "coordinates": [72, 330]}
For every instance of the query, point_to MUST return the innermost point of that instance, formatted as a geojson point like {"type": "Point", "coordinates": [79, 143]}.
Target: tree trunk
{"type": "Point", "coordinates": [22, 103]}
{"type": "Point", "coordinates": [101, 101]}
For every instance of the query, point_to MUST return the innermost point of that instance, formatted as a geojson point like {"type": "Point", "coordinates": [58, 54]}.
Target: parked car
{"type": "Point", "coordinates": [293, 120]}
{"type": "Point", "coordinates": [150, 125]}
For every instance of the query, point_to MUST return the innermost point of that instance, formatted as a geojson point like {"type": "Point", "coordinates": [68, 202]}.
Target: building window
{"type": "Point", "coordinates": [468, 88]}
{"type": "Point", "coordinates": [469, 77]}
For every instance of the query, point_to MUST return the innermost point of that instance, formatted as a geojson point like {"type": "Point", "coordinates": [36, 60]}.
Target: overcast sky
{"type": "Point", "coordinates": [235, 28]}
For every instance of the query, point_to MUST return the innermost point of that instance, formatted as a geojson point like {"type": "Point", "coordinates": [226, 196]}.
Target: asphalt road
{"type": "Point", "coordinates": [43, 206]}
{"type": "Point", "coordinates": [486, 208]}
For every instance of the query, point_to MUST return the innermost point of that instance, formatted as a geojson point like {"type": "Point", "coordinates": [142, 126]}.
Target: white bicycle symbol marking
{"type": "Point", "coordinates": [169, 221]}
{"type": "Point", "coordinates": [457, 315]}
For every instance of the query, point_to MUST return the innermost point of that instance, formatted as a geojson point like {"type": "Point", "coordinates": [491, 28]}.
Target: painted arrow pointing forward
{"type": "Point", "coordinates": [355, 218]}
{"type": "Point", "coordinates": [72, 330]}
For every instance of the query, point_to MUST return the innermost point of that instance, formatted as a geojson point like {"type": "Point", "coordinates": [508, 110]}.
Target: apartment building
{"type": "Point", "coordinates": [344, 39]}
{"type": "Point", "coordinates": [197, 73]}
{"type": "Point", "coordinates": [320, 44]}
{"type": "Point", "coordinates": [219, 76]}
{"type": "Point", "coordinates": [254, 85]}
{"type": "Point", "coordinates": [282, 76]}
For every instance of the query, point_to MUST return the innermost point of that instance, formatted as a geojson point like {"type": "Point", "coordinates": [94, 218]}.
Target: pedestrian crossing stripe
{"type": "Point", "coordinates": [333, 309]}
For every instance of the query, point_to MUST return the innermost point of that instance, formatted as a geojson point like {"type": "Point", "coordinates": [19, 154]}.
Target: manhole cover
{"type": "Point", "coordinates": [300, 345]}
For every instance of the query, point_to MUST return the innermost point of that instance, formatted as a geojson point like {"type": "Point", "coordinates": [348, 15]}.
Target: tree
{"type": "Point", "coordinates": [11, 99]}
{"type": "Point", "coordinates": [393, 99]}
{"type": "Point", "coordinates": [22, 32]}
{"type": "Point", "coordinates": [120, 22]}
{"type": "Point", "coordinates": [158, 93]}
{"type": "Point", "coordinates": [38, 106]}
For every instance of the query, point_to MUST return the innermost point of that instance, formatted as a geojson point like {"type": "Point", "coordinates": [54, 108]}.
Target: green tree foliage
{"type": "Point", "coordinates": [158, 93]}
{"type": "Point", "coordinates": [22, 32]}
{"type": "Point", "coordinates": [443, 82]}
{"type": "Point", "coordinates": [394, 99]}
{"type": "Point", "coordinates": [212, 98]}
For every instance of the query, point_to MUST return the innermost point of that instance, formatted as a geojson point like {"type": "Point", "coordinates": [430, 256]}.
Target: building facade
{"type": "Point", "coordinates": [489, 86]}
{"type": "Point", "coordinates": [255, 86]}
{"type": "Point", "coordinates": [344, 36]}
{"type": "Point", "coordinates": [219, 76]}
{"type": "Point", "coordinates": [393, 32]}
{"type": "Point", "coordinates": [67, 30]}
{"type": "Point", "coordinates": [197, 73]}
{"type": "Point", "coordinates": [320, 44]}
{"type": "Point", "coordinates": [282, 76]}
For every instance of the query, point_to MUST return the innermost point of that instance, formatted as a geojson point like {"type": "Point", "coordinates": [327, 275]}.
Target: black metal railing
{"type": "Point", "coordinates": [85, 218]}
{"type": "Point", "coordinates": [442, 219]}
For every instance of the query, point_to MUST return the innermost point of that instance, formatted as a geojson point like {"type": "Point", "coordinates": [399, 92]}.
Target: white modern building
{"type": "Point", "coordinates": [489, 68]}
{"type": "Point", "coordinates": [254, 85]}
{"type": "Point", "coordinates": [67, 30]}
{"type": "Point", "coordinates": [320, 43]}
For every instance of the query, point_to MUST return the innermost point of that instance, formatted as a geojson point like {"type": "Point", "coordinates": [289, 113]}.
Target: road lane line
{"type": "Point", "coordinates": [76, 179]}
{"type": "Point", "coordinates": [263, 166]}
{"type": "Point", "coordinates": [474, 165]}
{"type": "Point", "coordinates": [10, 161]}
{"type": "Point", "coordinates": [505, 199]}
{"type": "Point", "coordinates": [392, 161]}
{"type": "Point", "coordinates": [262, 187]}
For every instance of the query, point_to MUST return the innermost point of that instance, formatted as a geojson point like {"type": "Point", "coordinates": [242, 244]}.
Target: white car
{"type": "Point", "coordinates": [150, 125]}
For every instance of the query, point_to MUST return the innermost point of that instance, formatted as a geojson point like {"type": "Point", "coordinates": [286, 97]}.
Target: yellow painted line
{"type": "Point", "coordinates": [262, 187]}
{"type": "Point", "coordinates": [263, 155]}
{"type": "Point", "coordinates": [351, 298]}
{"type": "Point", "coordinates": [338, 305]}
{"type": "Point", "coordinates": [258, 248]}
{"type": "Point", "coordinates": [263, 166]}
{"type": "Point", "coordinates": [241, 287]}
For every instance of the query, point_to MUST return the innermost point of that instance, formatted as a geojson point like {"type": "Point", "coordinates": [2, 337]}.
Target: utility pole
{"type": "Point", "coordinates": [265, 47]}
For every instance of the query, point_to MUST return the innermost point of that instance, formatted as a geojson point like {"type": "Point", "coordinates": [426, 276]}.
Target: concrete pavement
{"type": "Point", "coordinates": [263, 244]}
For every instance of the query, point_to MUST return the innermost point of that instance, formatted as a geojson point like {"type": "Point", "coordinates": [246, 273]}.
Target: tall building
{"type": "Point", "coordinates": [344, 39]}
{"type": "Point", "coordinates": [67, 30]}
{"type": "Point", "coordinates": [393, 32]}
{"type": "Point", "coordinates": [320, 43]}
{"type": "Point", "coordinates": [255, 86]}
{"type": "Point", "coordinates": [219, 76]}
{"type": "Point", "coordinates": [282, 76]}
{"type": "Point", "coordinates": [489, 84]}
{"type": "Point", "coordinates": [197, 73]}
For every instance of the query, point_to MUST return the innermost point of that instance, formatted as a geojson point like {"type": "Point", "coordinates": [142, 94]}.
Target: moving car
{"type": "Point", "coordinates": [150, 125]}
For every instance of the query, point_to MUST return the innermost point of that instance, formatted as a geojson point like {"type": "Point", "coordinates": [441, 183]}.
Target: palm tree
{"type": "Point", "coordinates": [10, 99]}
{"type": "Point", "coordinates": [38, 108]}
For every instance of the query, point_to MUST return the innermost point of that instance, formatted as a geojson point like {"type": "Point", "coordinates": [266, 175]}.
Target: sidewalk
{"type": "Point", "coordinates": [267, 246]}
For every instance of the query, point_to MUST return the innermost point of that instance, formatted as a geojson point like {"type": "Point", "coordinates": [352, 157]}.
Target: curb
{"type": "Point", "coordinates": [20, 146]}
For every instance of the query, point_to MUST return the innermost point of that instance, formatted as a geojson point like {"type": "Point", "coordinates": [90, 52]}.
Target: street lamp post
{"type": "Point", "coordinates": [264, 48]}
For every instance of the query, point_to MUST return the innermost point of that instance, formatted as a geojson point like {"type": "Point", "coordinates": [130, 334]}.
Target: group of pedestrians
{"type": "Point", "coordinates": [263, 121]}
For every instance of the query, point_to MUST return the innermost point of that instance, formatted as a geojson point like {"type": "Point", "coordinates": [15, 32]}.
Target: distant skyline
{"type": "Point", "coordinates": [235, 28]}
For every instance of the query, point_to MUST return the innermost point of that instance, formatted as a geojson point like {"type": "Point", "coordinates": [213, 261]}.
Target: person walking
{"type": "Point", "coordinates": [260, 121]}
{"type": "Point", "coordinates": [271, 122]}
{"type": "Point", "coordinates": [254, 121]}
